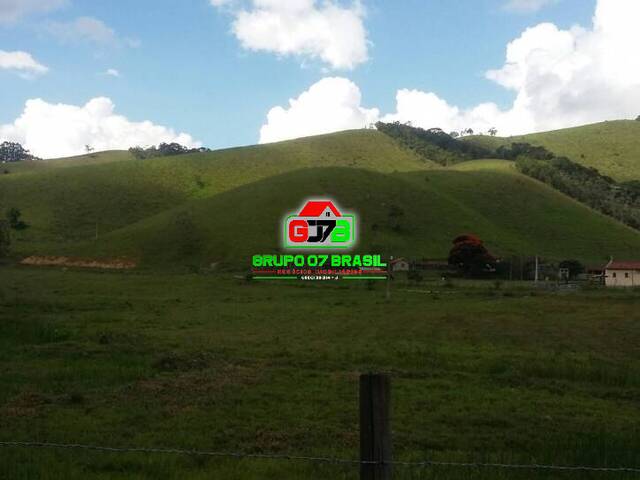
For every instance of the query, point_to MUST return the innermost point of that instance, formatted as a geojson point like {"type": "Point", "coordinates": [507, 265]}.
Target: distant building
{"type": "Point", "coordinates": [622, 274]}
{"type": "Point", "coordinates": [594, 274]}
{"type": "Point", "coordinates": [399, 265]}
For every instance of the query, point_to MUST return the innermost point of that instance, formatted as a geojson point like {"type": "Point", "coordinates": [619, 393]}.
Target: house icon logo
{"type": "Point", "coordinates": [320, 224]}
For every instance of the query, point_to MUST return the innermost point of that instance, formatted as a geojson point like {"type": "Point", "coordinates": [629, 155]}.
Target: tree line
{"type": "Point", "coordinates": [11, 152]}
{"type": "Point", "coordinates": [433, 144]}
{"type": "Point", "coordinates": [620, 200]}
{"type": "Point", "coordinates": [14, 152]}
{"type": "Point", "coordinates": [164, 150]}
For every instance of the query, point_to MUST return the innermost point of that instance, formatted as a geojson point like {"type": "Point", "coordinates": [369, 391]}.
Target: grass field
{"type": "Point", "coordinates": [194, 210]}
{"type": "Point", "coordinates": [156, 357]}
{"type": "Point", "coordinates": [611, 147]}
{"type": "Point", "coordinates": [210, 362]}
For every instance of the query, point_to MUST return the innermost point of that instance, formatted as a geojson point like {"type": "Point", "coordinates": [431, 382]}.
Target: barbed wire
{"type": "Point", "coordinates": [532, 466]}
{"type": "Point", "coordinates": [330, 460]}
{"type": "Point", "coordinates": [178, 451]}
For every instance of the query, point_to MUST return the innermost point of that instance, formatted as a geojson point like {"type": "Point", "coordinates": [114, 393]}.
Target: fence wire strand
{"type": "Point", "coordinates": [329, 460]}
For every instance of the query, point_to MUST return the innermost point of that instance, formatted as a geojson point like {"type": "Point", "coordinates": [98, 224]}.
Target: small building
{"type": "Point", "coordinates": [622, 274]}
{"type": "Point", "coordinates": [399, 265]}
{"type": "Point", "coordinates": [594, 274]}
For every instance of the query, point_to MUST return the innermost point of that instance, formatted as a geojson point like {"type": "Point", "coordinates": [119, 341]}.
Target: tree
{"type": "Point", "coordinates": [137, 152]}
{"type": "Point", "coordinates": [470, 256]}
{"type": "Point", "coordinates": [5, 238]}
{"type": "Point", "coordinates": [574, 266]}
{"type": "Point", "coordinates": [89, 148]}
{"type": "Point", "coordinates": [172, 149]}
{"type": "Point", "coordinates": [493, 131]}
{"type": "Point", "coordinates": [454, 134]}
{"type": "Point", "coordinates": [638, 119]}
{"type": "Point", "coordinates": [14, 152]}
{"type": "Point", "coordinates": [14, 218]}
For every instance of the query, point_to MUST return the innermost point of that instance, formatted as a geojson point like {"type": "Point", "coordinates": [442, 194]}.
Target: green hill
{"type": "Point", "coordinates": [227, 205]}
{"type": "Point", "coordinates": [90, 159]}
{"type": "Point", "coordinates": [611, 147]}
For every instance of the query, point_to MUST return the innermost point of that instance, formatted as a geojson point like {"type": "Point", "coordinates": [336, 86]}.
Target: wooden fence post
{"type": "Point", "coordinates": [375, 427]}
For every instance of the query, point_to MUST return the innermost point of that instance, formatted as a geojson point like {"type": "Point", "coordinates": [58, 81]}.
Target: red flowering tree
{"type": "Point", "coordinates": [470, 256]}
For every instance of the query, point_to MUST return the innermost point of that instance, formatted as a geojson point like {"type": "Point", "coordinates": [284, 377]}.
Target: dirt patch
{"type": "Point", "coordinates": [103, 263]}
{"type": "Point", "coordinates": [181, 391]}
{"type": "Point", "coordinates": [24, 405]}
{"type": "Point", "coordinates": [175, 362]}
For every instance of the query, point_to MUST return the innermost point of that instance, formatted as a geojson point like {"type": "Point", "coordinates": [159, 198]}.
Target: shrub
{"type": "Point", "coordinates": [5, 238]}
{"type": "Point", "coordinates": [14, 218]}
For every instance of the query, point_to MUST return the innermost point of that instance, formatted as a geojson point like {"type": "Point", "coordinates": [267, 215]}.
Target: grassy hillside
{"type": "Point", "coordinates": [226, 205]}
{"type": "Point", "coordinates": [611, 147]}
{"type": "Point", "coordinates": [80, 160]}
{"type": "Point", "coordinates": [63, 200]}
{"type": "Point", "coordinates": [514, 214]}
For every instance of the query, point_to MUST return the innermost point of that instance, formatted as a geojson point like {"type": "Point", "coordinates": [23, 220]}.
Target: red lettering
{"type": "Point", "coordinates": [298, 231]}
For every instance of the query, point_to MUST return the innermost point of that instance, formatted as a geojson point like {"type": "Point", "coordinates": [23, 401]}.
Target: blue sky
{"type": "Point", "coordinates": [182, 65]}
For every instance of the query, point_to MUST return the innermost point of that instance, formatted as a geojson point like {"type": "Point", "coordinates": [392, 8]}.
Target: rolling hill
{"type": "Point", "coordinates": [611, 147]}
{"type": "Point", "coordinates": [226, 205]}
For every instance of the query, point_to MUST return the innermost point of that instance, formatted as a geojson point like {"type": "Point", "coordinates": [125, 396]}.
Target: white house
{"type": "Point", "coordinates": [399, 265]}
{"type": "Point", "coordinates": [622, 274]}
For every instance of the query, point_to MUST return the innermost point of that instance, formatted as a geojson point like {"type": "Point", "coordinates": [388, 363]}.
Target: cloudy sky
{"type": "Point", "coordinates": [233, 72]}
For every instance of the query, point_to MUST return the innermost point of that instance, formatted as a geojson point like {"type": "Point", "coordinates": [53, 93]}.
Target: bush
{"type": "Point", "coordinates": [574, 266]}
{"type": "Point", "coordinates": [15, 222]}
{"type": "Point", "coordinates": [5, 238]}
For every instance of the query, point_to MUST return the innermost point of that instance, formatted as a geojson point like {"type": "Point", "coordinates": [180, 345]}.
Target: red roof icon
{"type": "Point", "coordinates": [315, 208]}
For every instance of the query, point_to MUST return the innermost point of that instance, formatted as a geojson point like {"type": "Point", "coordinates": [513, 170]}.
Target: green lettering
{"type": "Point", "coordinates": [342, 232]}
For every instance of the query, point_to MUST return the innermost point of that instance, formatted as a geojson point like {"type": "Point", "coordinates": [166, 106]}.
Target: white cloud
{"type": "Point", "coordinates": [427, 110]}
{"type": "Point", "coordinates": [112, 72]}
{"type": "Point", "coordinates": [83, 29]}
{"type": "Point", "coordinates": [11, 10]}
{"type": "Point", "coordinates": [89, 30]}
{"type": "Point", "coordinates": [527, 6]}
{"type": "Point", "coordinates": [330, 105]}
{"type": "Point", "coordinates": [22, 62]}
{"type": "Point", "coordinates": [561, 78]}
{"type": "Point", "coordinates": [59, 130]}
{"type": "Point", "coordinates": [325, 30]}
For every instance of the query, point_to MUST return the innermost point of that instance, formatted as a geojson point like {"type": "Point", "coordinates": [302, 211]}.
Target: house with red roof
{"type": "Point", "coordinates": [622, 274]}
